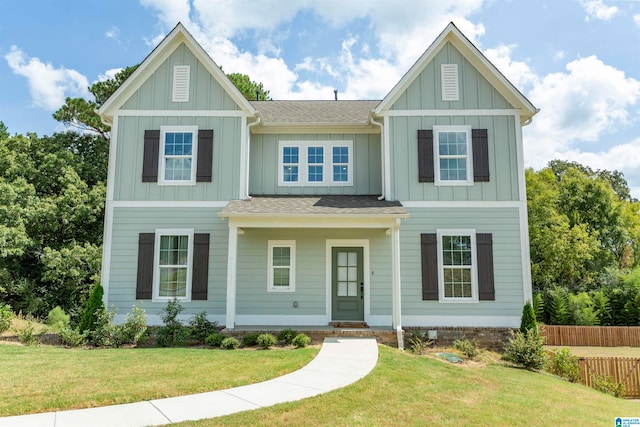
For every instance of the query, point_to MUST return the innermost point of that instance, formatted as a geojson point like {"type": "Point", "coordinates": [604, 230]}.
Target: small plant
{"type": "Point", "coordinates": [72, 337]}
{"type": "Point", "coordinates": [230, 343]}
{"type": "Point", "coordinates": [266, 341]}
{"type": "Point", "coordinates": [133, 329]}
{"type": "Point", "coordinates": [215, 339]}
{"type": "Point", "coordinates": [287, 335]}
{"type": "Point", "coordinates": [419, 345]}
{"type": "Point", "coordinates": [607, 384]}
{"type": "Point", "coordinates": [173, 333]}
{"type": "Point", "coordinates": [89, 314]}
{"type": "Point", "coordinates": [250, 339]}
{"type": "Point", "coordinates": [57, 319]}
{"type": "Point", "coordinates": [26, 334]}
{"type": "Point", "coordinates": [526, 349]}
{"type": "Point", "coordinates": [6, 316]}
{"type": "Point", "coordinates": [564, 364]}
{"type": "Point", "coordinates": [104, 333]}
{"type": "Point", "coordinates": [528, 320]}
{"type": "Point", "coordinates": [467, 347]}
{"type": "Point", "coordinates": [301, 341]}
{"type": "Point", "coordinates": [201, 327]}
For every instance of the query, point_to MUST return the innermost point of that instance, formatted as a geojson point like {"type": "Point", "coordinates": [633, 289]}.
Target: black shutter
{"type": "Point", "coordinates": [484, 245]}
{"type": "Point", "coordinates": [200, 272]}
{"type": "Point", "coordinates": [425, 156]}
{"type": "Point", "coordinates": [429, 255]}
{"type": "Point", "coordinates": [144, 282]}
{"type": "Point", "coordinates": [480, 144]}
{"type": "Point", "coordinates": [205, 155]}
{"type": "Point", "coordinates": [150, 159]}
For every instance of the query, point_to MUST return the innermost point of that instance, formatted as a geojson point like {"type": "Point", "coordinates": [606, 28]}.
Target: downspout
{"type": "Point", "coordinates": [248, 159]}
{"type": "Point", "coordinates": [382, 151]}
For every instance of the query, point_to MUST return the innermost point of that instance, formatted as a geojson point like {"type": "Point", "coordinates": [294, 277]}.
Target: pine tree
{"type": "Point", "coordinates": [528, 319]}
{"type": "Point", "coordinates": [88, 319]}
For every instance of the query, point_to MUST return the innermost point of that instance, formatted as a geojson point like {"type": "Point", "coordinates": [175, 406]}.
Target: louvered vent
{"type": "Point", "coordinates": [181, 83]}
{"type": "Point", "coordinates": [449, 75]}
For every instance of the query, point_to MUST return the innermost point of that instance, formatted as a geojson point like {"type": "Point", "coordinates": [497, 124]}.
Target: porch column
{"type": "Point", "coordinates": [232, 265]}
{"type": "Point", "coordinates": [396, 309]}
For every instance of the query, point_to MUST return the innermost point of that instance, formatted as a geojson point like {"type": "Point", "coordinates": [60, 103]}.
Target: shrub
{"type": "Point", "coordinates": [57, 319]}
{"type": "Point", "coordinates": [26, 334]}
{"type": "Point", "coordinates": [250, 339]}
{"type": "Point", "coordinates": [301, 341]}
{"type": "Point", "coordinates": [72, 337]}
{"type": "Point", "coordinates": [230, 343]}
{"type": "Point", "coordinates": [419, 345]}
{"type": "Point", "coordinates": [467, 347]}
{"type": "Point", "coordinates": [266, 341]}
{"type": "Point", "coordinates": [104, 332]}
{"type": "Point", "coordinates": [287, 335]}
{"type": "Point", "coordinates": [94, 303]}
{"type": "Point", "coordinates": [538, 307]}
{"type": "Point", "coordinates": [564, 364]}
{"type": "Point", "coordinates": [526, 349]}
{"type": "Point", "coordinates": [133, 329]}
{"type": "Point", "coordinates": [606, 384]}
{"type": "Point", "coordinates": [215, 339]}
{"type": "Point", "coordinates": [6, 317]}
{"type": "Point", "coordinates": [173, 333]}
{"type": "Point", "coordinates": [528, 320]}
{"type": "Point", "coordinates": [201, 327]}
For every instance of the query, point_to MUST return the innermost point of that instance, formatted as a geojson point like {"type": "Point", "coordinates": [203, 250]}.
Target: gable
{"type": "Point", "coordinates": [425, 92]}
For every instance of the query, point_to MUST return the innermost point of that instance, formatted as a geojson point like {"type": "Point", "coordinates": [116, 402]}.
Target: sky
{"type": "Point", "coordinates": [578, 61]}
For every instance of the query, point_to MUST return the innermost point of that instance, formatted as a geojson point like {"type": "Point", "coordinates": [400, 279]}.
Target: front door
{"type": "Point", "coordinates": [347, 284]}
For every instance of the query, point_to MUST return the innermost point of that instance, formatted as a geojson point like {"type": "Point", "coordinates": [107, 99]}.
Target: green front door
{"type": "Point", "coordinates": [347, 284]}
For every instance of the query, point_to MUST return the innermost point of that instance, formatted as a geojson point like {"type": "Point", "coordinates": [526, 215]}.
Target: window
{"type": "Point", "coordinates": [453, 155]}
{"type": "Point", "coordinates": [173, 264]}
{"type": "Point", "coordinates": [315, 163]}
{"type": "Point", "coordinates": [178, 154]}
{"type": "Point", "coordinates": [282, 260]}
{"type": "Point", "coordinates": [457, 263]}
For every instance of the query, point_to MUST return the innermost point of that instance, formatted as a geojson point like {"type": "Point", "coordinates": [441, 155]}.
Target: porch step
{"type": "Point", "coordinates": [350, 325]}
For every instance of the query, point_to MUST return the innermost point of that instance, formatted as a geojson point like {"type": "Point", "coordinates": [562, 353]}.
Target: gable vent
{"type": "Point", "coordinates": [449, 76]}
{"type": "Point", "coordinates": [181, 75]}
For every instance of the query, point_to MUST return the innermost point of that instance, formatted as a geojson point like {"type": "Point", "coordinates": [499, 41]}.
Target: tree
{"type": "Point", "coordinates": [249, 88]}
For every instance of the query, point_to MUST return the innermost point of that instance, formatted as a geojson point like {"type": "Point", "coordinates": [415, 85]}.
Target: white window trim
{"type": "Point", "coordinates": [156, 262]}
{"type": "Point", "coordinates": [327, 172]}
{"type": "Point", "coordinates": [291, 244]}
{"type": "Point", "coordinates": [474, 266]}
{"type": "Point", "coordinates": [436, 154]}
{"type": "Point", "coordinates": [194, 154]}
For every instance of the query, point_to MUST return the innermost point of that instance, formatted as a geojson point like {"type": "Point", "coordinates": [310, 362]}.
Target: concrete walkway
{"type": "Point", "coordinates": [340, 362]}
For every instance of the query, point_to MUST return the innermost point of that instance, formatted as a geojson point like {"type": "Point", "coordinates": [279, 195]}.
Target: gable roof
{"type": "Point", "coordinates": [172, 41]}
{"type": "Point", "coordinates": [454, 36]}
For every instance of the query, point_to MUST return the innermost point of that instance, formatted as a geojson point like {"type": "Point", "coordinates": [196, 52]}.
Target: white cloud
{"type": "Point", "coordinates": [112, 33]}
{"type": "Point", "coordinates": [596, 9]}
{"type": "Point", "coordinates": [109, 74]}
{"type": "Point", "coordinates": [49, 86]}
{"type": "Point", "coordinates": [517, 72]}
{"type": "Point", "coordinates": [636, 19]}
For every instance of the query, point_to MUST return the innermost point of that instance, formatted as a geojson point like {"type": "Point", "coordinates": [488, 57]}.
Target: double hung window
{"type": "Point", "coordinates": [282, 260]}
{"type": "Point", "coordinates": [178, 150]}
{"type": "Point", "coordinates": [453, 155]}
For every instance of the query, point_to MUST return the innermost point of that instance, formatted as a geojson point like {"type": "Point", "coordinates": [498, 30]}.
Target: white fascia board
{"type": "Point", "coordinates": [313, 221]}
{"type": "Point", "coordinates": [168, 204]}
{"type": "Point", "coordinates": [183, 113]}
{"type": "Point", "coordinates": [444, 113]}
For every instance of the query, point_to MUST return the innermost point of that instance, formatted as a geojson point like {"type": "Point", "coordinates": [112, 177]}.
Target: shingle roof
{"type": "Point", "coordinates": [315, 205]}
{"type": "Point", "coordinates": [315, 112]}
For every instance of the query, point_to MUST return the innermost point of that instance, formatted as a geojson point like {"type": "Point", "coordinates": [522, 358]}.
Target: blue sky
{"type": "Point", "coordinates": [576, 60]}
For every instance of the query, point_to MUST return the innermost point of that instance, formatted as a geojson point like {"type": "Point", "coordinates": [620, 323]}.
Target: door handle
{"type": "Point", "coordinates": [361, 290]}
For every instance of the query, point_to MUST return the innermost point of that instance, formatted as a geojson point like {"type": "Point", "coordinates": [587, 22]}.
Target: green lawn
{"type": "Point", "coordinates": [45, 378]}
{"type": "Point", "coordinates": [408, 390]}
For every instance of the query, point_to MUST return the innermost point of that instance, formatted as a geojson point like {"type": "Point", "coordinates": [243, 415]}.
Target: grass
{"type": "Point", "coordinates": [45, 378]}
{"type": "Point", "coordinates": [404, 389]}
{"type": "Point", "coordinates": [599, 351]}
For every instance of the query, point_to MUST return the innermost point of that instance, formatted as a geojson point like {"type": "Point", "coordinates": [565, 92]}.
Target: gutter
{"type": "Point", "coordinates": [382, 152]}
{"type": "Point", "coordinates": [248, 153]}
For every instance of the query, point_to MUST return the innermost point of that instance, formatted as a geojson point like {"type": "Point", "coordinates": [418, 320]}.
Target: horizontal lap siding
{"type": "Point", "coordinates": [502, 223]}
{"type": "Point", "coordinates": [129, 222]}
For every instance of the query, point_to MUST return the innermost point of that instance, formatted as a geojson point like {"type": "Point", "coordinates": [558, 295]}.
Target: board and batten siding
{"type": "Point", "coordinates": [367, 167]}
{"type": "Point", "coordinates": [205, 93]}
{"type": "Point", "coordinates": [311, 282]}
{"type": "Point", "coordinates": [224, 185]}
{"type": "Point", "coordinates": [129, 222]}
{"type": "Point", "coordinates": [502, 223]}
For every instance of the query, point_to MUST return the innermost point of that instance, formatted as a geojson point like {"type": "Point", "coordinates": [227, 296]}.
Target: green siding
{"type": "Point", "coordinates": [264, 165]}
{"type": "Point", "coordinates": [205, 93]}
{"type": "Point", "coordinates": [503, 223]}
{"type": "Point", "coordinates": [128, 183]}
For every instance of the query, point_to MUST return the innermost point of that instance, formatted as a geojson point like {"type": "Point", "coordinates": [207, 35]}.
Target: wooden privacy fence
{"type": "Point", "coordinates": [625, 370]}
{"type": "Point", "coordinates": [597, 336]}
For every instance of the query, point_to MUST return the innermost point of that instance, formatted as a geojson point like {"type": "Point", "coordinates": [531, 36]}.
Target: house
{"type": "Point", "coordinates": [408, 211]}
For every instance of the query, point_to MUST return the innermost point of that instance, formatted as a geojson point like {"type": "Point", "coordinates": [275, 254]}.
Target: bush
{"type": "Point", "coordinates": [173, 333]}
{"type": "Point", "coordinates": [215, 339]}
{"type": "Point", "coordinates": [606, 384]}
{"type": "Point", "coordinates": [287, 335]}
{"type": "Point", "coordinates": [564, 364]}
{"type": "Point", "coordinates": [301, 341]}
{"type": "Point", "coordinates": [538, 307]}
{"type": "Point", "coordinates": [26, 335]}
{"type": "Point", "coordinates": [266, 341]}
{"type": "Point", "coordinates": [250, 339]}
{"type": "Point", "coordinates": [201, 327]}
{"type": "Point", "coordinates": [528, 320]}
{"type": "Point", "coordinates": [6, 317]}
{"type": "Point", "coordinates": [89, 315]}
{"type": "Point", "coordinates": [133, 329]}
{"type": "Point", "coordinates": [526, 349]}
{"type": "Point", "coordinates": [230, 343]}
{"type": "Point", "coordinates": [57, 319]}
{"type": "Point", "coordinates": [418, 345]}
{"type": "Point", "coordinates": [72, 337]}
{"type": "Point", "coordinates": [104, 332]}
{"type": "Point", "coordinates": [467, 347]}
